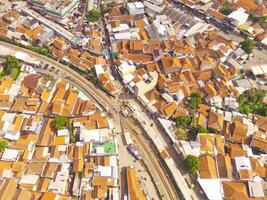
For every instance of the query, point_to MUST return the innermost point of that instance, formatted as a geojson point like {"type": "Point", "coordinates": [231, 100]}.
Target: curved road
{"type": "Point", "coordinates": [101, 98]}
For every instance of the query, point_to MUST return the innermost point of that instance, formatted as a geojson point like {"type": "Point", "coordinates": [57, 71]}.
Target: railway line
{"type": "Point", "coordinates": [169, 189]}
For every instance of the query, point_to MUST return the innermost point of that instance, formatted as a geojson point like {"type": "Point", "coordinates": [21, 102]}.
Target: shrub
{"type": "Point", "coordinates": [191, 164]}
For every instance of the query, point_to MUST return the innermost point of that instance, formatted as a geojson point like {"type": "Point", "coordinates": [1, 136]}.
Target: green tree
{"type": "Point", "coordinates": [3, 145]}
{"type": "Point", "coordinates": [195, 130]}
{"type": "Point", "coordinates": [191, 164]}
{"type": "Point", "coordinates": [194, 100]}
{"type": "Point", "coordinates": [15, 73]}
{"type": "Point", "coordinates": [251, 102]}
{"type": "Point", "coordinates": [183, 120]}
{"type": "Point", "coordinates": [93, 15]}
{"type": "Point", "coordinates": [11, 66]}
{"type": "Point", "coordinates": [227, 8]}
{"type": "Point", "coordinates": [260, 20]}
{"type": "Point", "coordinates": [61, 122]}
{"type": "Point", "coordinates": [248, 45]}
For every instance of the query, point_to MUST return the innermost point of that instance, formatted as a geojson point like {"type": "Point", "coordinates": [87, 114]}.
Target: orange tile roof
{"type": "Point", "coordinates": [207, 168]}
{"type": "Point", "coordinates": [224, 166]}
{"type": "Point", "coordinates": [169, 109]}
{"type": "Point", "coordinates": [216, 121]}
{"type": "Point", "coordinates": [134, 190]}
{"type": "Point", "coordinates": [235, 190]}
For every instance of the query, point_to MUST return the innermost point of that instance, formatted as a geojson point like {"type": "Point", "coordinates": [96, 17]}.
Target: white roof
{"type": "Point", "coordinates": [255, 189]}
{"type": "Point", "coordinates": [257, 70]}
{"type": "Point", "coordinates": [239, 15]}
{"type": "Point", "coordinates": [122, 36]}
{"type": "Point", "coordinates": [98, 135]}
{"type": "Point", "coordinates": [99, 69]}
{"type": "Point", "coordinates": [10, 154]}
{"type": "Point", "coordinates": [212, 188]}
{"type": "Point", "coordinates": [100, 150]}
{"type": "Point", "coordinates": [29, 179]}
{"type": "Point", "coordinates": [105, 170]}
{"type": "Point", "coordinates": [122, 27]}
{"type": "Point", "coordinates": [242, 163]}
{"type": "Point", "coordinates": [64, 132]}
{"type": "Point", "coordinates": [139, 5]}
{"type": "Point", "coordinates": [128, 78]}
{"type": "Point", "coordinates": [169, 127]}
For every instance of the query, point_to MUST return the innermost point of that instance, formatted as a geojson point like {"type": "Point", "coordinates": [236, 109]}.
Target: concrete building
{"type": "Point", "coordinates": [147, 84]}
{"type": "Point", "coordinates": [56, 8]}
{"type": "Point", "coordinates": [136, 8]}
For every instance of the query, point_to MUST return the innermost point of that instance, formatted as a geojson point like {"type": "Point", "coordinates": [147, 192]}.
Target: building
{"type": "Point", "coordinates": [56, 8]}
{"type": "Point", "coordinates": [136, 8]}
{"type": "Point", "coordinates": [134, 191]}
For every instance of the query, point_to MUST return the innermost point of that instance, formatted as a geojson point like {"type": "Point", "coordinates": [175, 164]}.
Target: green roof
{"type": "Point", "coordinates": [109, 148]}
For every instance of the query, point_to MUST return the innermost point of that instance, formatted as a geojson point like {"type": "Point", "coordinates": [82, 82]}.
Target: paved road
{"type": "Point", "coordinates": [99, 96]}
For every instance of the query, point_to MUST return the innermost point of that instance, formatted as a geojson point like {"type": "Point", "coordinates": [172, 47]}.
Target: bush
{"type": "Point", "coordinates": [194, 131]}
{"type": "Point", "coordinates": [227, 8]}
{"type": "Point", "coordinates": [251, 102]}
{"type": "Point", "coordinates": [61, 122]}
{"type": "Point", "coordinates": [93, 16]}
{"type": "Point", "coordinates": [11, 66]}
{"type": "Point", "coordinates": [183, 121]}
{"type": "Point", "coordinates": [15, 73]}
{"type": "Point", "coordinates": [260, 20]}
{"type": "Point", "coordinates": [191, 164]}
{"type": "Point", "coordinates": [248, 45]}
{"type": "Point", "coordinates": [182, 134]}
{"type": "Point", "coordinates": [194, 100]}
{"type": "Point", "coordinates": [3, 145]}
{"type": "Point", "coordinates": [107, 7]}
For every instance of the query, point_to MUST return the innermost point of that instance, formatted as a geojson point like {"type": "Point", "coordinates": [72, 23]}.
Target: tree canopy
{"type": "Point", "coordinates": [194, 100]}
{"type": "Point", "coordinates": [195, 130]}
{"type": "Point", "coordinates": [93, 15]}
{"type": "Point", "coordinates": [183, 120]}
{"type": "Point", "coordinates": [11, 66]}
{"type": "Point", "coordinates": [61, 122]}
{"type": "Point", "coordinates": [227, 8]}
{"type": "Point", "coordinates": [3, 145]}
{"type": "Point", "coordinates": [248, 45]}
{"type": "Point", "coordinates": [191, 164]}
{"type": "Point", "coordinates": [251, 102]}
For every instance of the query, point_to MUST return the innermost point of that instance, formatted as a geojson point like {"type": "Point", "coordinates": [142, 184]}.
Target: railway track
{"type": "Point", "coordinates": [170, 191]}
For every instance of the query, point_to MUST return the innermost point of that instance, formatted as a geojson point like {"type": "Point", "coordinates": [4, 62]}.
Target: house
{"type": "Point", "coordinates": [170, 64]}
{"type": "Point", "coordinates": [136, 8]}
{"type": "Point", "coordinates": [259, 141]}
{"type": "Point", "coordinates": [235, 190]}
{"type": "Point", "coordinates": [207, 167]}
{"type": "Point", "coordinates": [215, 121]}
{"type": "Point", "coordinates": [211, 144]}
{"type": "Point", "coordinates": [243, 167]}
{"type": "Point", "coordinates": [134, 191]}
{"type": "Point", "coordinates": [239, 132]}
{"type": "Point", "coordinates": [238, 17]}
{"type": "Point", "coordinates": [224, 166]}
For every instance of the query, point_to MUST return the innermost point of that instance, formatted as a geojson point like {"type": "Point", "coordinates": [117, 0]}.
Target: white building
{"type": "Point", "coordinates": [162, 27]}
{"type": "Point", "coordinates": [153, 6]}
{"type": "Point", "coordinates": [238, 17]}
{"type": "Point", "coordinates": [136, 8]}
{"type": "Point", "coordinates": [126, 68]}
